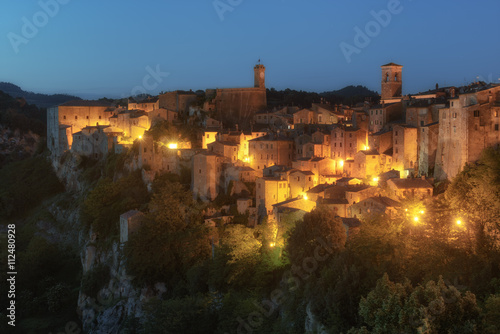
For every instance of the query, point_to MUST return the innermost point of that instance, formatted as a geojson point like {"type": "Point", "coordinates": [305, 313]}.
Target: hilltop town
{"type": "Point", "coordinates": [358, 160]}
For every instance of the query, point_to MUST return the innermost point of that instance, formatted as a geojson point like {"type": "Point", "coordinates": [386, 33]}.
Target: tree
{"type": "Point", "coordinates": [474, 195]}
{"type": "Point", "coordinates": [318, 228]}
{"type": "Point", "coordinates": [171, 239]}
{"type": "Point", "coordinates": [434, 308]}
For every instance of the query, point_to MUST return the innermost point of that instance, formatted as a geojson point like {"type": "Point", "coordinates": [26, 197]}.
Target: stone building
{"type": "Point", "coordinates": [367, 163]}
{"type": "Point", "coordinates": [225, 148]}
{"type": "Point", "coordinates": [466, 127]}
{"type": "Point", "coordinates": [305, 116]}
{"type": "Point", "coordinates": [238, 105]}
{"type": "Point", "coordinates": [269, 191]}
{"type": "Point", "coordinates": [207, 175]}
{"type": "Point", "coordinates": [130, 222]}
{"type": "Point", "coordinates": [162, 114]}
{"type": "Point", "coordinates": [380, 141]}
{"type": "Point", "coordinates": [409, 188]}
{"type": "Point", "coordinates": [372, 207]}
{"type": "Point", "coordinates": [133, 122]}
{"type": "Point", "coordinates": [178, 101]}
{"type": "Point", "coordinates": [71, 117]}
{"type": "Point", "coordinates": [94, 141]}
{"type": "Point", "coordinates": [160, 157]}
{"type": "Point", "coordinates": [382, 114]}
{"type": "Point", "coordinates": [270, 150]}
{"type": "Point", "coordinates": [392, 82]}
{"type": "Point", "coordinates": [345, 143]}
{"type": "Point", "coordinates": [301, 181]}
{"type": "Point", "coordinates": [146, 105]}
{"type": "Point", "coordinates": [404, 157]}
{"type": "Point", "coordinates": [427, 148]}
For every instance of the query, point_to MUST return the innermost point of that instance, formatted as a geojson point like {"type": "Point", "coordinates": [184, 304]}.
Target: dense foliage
{"type": "Point", "coordinates": [25, 184]}
{"type": "Point", "coordinates": [349, 95]}
{"type": "Point", "coordinates": [103, 206]}
{"type": "Point", "coordinates": [394, 275]}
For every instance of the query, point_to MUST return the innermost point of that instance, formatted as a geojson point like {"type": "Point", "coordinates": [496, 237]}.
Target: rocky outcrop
{"type": "Point", "coordinates": [312, 325]}
{"type": "Point", "coordinates": [118, 300]}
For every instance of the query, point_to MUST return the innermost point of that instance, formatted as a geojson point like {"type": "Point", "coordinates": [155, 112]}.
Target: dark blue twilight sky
{"type": "Point", "coordinates": [96, 48]}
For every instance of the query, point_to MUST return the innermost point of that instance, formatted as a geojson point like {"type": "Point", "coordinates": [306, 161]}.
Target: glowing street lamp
{"type": "Point", "coordinates": [341, 163]}
{"type": "Point", "coordinates": [272, 244]}
{"type": "Point", "coordinates": [140, 137]}
{"type": "Point", "coordinates": [375, 179]}
{"type": "Point", "coordinates": [459, 222]}
{"type": "Point", "coordinates": [172, 146]}
{"type": "Point", "coordinates": [415, 219]}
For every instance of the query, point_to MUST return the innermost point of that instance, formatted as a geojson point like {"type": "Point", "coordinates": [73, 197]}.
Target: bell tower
{"type": "Point", "coordinates": [260, 76]}
{"type": "Point", "coordinates": [392, 81]}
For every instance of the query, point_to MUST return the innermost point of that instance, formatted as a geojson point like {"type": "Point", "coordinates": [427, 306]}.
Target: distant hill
{"type": "Point", "coordinates": [351, 91]}
{"type": "Point", "coordinates": [349, 95]}
{"type": "Point", "coordinates": [40, 100]}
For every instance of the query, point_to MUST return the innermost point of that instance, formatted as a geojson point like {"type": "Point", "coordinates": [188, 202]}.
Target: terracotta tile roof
{"type": "Point", "coordinates": [391, 64]}
{"type": "Point", "coordinates": [386, 201]}
{"type": "Point", "coordinates": [410, 183]}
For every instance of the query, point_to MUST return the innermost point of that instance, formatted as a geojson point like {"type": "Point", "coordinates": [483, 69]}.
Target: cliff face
{"type": "Point", "coordinates": [107, 310]}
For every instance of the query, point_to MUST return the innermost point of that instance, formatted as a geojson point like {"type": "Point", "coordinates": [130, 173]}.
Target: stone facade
{"type": "Point", "coordinates": [270, 150]}
{"type": "Point", "coordinates": [238, 105]}
{"type": "Point", "coordinates": [129, 223]}
{"type": "Point", "coordinates": [269, 191]}
{"type": "Point", "coordinates": [466, 127]}
{"type": "Point", "coordinates": [71, 117]}
{"type": "Point", "coordinates": [207, 175]}
{"type": "Point", "coordinates": [392, 81]}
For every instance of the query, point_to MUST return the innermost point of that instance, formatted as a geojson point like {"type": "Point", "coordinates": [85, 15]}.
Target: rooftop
{"type": "Point", "coordinates": [86, 103]}
{"type": "Point", "coordinates": [391, 64]}
{"type": "Point", "coordinates": [410, 183]}
{"type": "Point", "coordinates": [272, 137]}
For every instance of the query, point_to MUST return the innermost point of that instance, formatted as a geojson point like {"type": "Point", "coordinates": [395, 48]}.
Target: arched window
{"type": "Point", "coordinates": [396, 77]}
{"type": "Point", "coordinates": [387, 77]}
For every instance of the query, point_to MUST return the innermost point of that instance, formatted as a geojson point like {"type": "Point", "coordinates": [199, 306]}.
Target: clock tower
{"type": "Point", "coordinates": [260, 76]}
